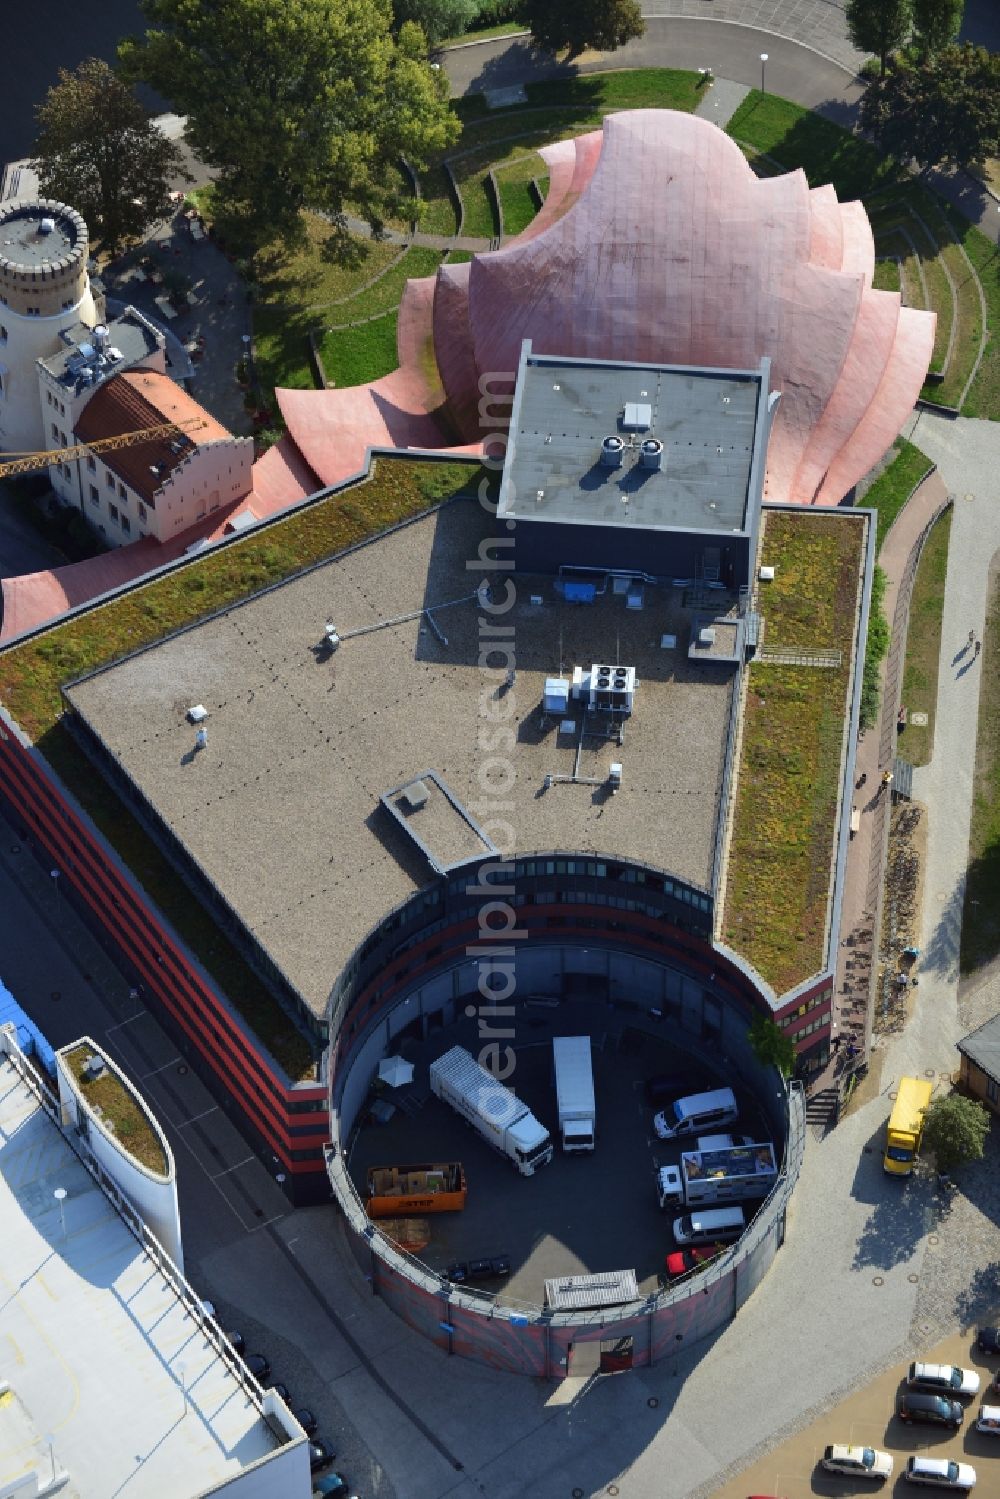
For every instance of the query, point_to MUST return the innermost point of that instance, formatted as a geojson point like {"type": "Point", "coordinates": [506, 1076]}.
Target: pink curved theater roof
{"type": "Point", "coordinates": [657, 244]}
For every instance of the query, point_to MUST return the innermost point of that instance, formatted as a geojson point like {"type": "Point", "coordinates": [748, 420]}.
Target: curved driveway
{"type": "Point", "coordinates": [730, 50]}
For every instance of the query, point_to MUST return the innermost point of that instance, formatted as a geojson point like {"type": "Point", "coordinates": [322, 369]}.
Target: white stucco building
{"type": "Point", "coordinates": [44, 289]}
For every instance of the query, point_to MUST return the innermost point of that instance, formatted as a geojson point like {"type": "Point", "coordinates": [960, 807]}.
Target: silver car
{"type": "Point", "coordinates": [942, 1472]}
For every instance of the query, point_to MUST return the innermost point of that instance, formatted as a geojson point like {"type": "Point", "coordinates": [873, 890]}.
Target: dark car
{"type": "Point", "coordinates": [988, 1340]}
{"type": "Point", "coordinates": [258, 1365]}
{"type": "Point", "coordinates": [663, 1086]}
{"type": "Point", "coordinates": [930, 1410]}
{"type": "Point", "coordinates": [306, 1420]}
{"type": "Point", "coordinates": [332, 1486]}
{"type": "Point", "coordinates": [321, 1455]}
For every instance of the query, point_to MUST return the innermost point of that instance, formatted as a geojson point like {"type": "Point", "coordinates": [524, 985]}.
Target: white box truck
{"type": "Point", "coordinates": [492, 1110]}
{"type": "Point", "coordinates": [721, 1175]}
{"type": "Point", "coordinates": [574, 1074]}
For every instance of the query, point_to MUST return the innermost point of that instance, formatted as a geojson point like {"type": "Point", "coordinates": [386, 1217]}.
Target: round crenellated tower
{"type": "Point", "coordinates": [44, 289]}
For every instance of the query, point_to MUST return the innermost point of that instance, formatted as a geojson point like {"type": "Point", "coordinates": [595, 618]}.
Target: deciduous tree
{"type": "Point", "coordinates": [937, 23]}
{"type": "Point", "coordinates": [98, 150]}
{"type": "Point", "coordinates": [577, 24]}
{"type": "Point", "coordinates": [955, 1129]}
{"type": "Point", "coordinates": [437, 19]}
{"type": "Point", "coordinates": [771, 1046]}
{"type": "Point", "coordinates": [879, 26]}
{"type": "Point", "coordinates": [309, 103]}
{"type": "Point", "coordinates": [947, 109]}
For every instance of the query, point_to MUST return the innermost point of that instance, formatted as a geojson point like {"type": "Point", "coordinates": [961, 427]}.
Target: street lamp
{"type": "Point", "coordinates": [182, 1372]}
{"type": "Point", "coordinates": [50, 1443]}
{"type": "Point", "coordinates": [60, 1196]}
{"type": "Point", "coordinates": [763, 65]}
{"type": "Point", "coordinates": [54, 874]}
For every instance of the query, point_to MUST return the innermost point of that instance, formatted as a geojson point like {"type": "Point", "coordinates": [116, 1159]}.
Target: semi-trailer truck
{"type": "Point", "coordinates": [492, 1110]}
{"type": "Point", "coordinates": [574, 1074]}
{"type": "Point", "coordinates": [728, 1175]}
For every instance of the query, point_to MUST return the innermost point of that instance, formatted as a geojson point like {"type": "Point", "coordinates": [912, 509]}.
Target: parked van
{"type": "Point", "coordinates": [711, 1226]}
{"type": "Point", "coordinates": [725, 1142]}
{"type": "Point", "coordinates": [699, 1111]}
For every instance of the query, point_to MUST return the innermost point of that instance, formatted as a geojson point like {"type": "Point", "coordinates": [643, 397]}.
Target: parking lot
{"type": "Point", "coordinates": [868, 1417]}
{"type": "Point", "coordinates": [584, 1212]}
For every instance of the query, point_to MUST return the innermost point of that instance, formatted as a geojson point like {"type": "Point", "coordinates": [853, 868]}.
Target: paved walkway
{"type": "Point", "coordinates": [967, 453]}
{"type": "Point", "coordinates": [720, 101]}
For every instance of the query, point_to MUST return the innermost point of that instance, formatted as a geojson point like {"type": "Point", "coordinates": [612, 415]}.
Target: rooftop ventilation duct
{"type": "Point", "coordinates": [612, 452]}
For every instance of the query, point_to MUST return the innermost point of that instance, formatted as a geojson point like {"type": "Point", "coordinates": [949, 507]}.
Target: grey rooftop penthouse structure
{"type": "Point", "coordinates": [654, 469]}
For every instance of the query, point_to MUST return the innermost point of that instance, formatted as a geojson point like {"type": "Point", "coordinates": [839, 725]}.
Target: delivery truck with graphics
{"type": "Point", "coordinates": [492, 1109]}
{"type": "Point", "coordinates": [711, 1176]}
{"type": "Point", "coordinates": [574, 1076]}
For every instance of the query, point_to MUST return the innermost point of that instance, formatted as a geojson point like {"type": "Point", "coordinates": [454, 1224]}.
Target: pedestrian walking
{"type": "Point", "coordinates": [852, 1052]}
{"type": "Point", "coordinates": [861, 780]}
{"type": "Point", "coordinates": [979, 646]}
{"type": "Point", "coordinates": [836, 1045]}
{"type": "Point", "coordinates": [886, 779]}
{"type": "Point", "coordinates": [972, 636]}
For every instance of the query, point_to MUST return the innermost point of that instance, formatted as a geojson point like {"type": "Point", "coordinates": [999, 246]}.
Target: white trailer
{"type": "Point", "coordinates": [574, 1075]}
{"type": "Point", "coordinates": [492, 1110]}
{"type": "Point", "coordinates": [718, 1175]}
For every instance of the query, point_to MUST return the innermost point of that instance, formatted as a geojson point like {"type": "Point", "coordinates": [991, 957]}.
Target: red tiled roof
{"type": "Point", "coordinates": [144, 398]}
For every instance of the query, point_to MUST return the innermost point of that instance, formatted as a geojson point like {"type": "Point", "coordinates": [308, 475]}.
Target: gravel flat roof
{"type": "Point", "coordinates": [705, 420]}
{"type": "Point", "coordinates": [282, 807]}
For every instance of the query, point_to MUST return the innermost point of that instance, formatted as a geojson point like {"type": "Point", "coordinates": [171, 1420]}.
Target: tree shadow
{"type": "Point", "coordinates": [823, 145]}
{"type": "Point", "coordinates": [940, 956]}
{"type": "Point", "coordinates": [519, 63]}
{"type": "Point", "coordinates": [901, 1210]}
{"type": "Point", "coordinates": [980, 933]}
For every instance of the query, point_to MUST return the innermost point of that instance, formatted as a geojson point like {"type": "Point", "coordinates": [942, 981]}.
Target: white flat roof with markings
{"type": "Point", "coordinates": [106, 1371]}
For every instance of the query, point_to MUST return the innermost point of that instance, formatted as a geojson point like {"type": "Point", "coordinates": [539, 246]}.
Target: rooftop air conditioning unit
{"type": "Point", "coordinates": [47, 226]}
{"type": "Point", "coordinates": [94, 1067]}
{"type": "Point", "coordinates": [651, 453]}
{"type": "Point", "coordinates": [612, 452]}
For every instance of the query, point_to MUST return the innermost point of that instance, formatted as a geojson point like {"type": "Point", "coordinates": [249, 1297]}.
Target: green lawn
{"type": "Point", "coordinates": [887, 275]}
{"type": "Point", "coordinates": [923, 642]}
{"type": "Point", "coordinates": [353, 356]}
{"type": "Point", "coordinates": [437, 210]}
{"type": "Point", "coordinates": [798, 138]}
{"type": "Point", "coordinates": [477, 34]}
{"type": "Point", "coordinates": [33, 672]}
{"type": "Point", "coordinates": [894, 486]}
{"type": "Point", "coordinates": [781, 847]}
{"type": "Point", "coordinates": [519, 206]}
{"type": "Point", "coordinates": [827, 153]}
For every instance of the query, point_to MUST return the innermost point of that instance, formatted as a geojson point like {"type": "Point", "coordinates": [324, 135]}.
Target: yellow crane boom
{"type": "Point", "coordinates": [26, 463]}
